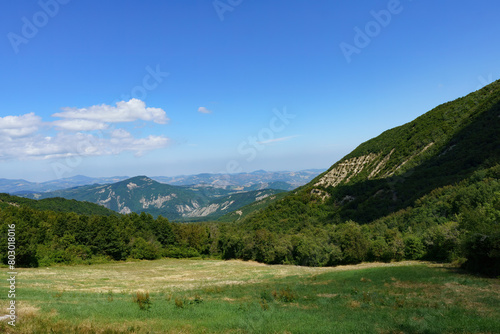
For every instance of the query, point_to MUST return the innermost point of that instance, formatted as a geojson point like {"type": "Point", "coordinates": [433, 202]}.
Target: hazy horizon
{"type": "Point", "coordinates": [176, 175]}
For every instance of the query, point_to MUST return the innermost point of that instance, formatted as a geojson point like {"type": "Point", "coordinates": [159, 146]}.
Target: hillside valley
{"type": "Point", "coordinates": [180, 203]}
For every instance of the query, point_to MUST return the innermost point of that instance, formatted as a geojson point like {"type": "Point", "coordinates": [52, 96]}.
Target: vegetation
{"type": "Point", "coordinates": [244, 211]}
{"type": "Point", "coordinates": [453, 223]}
{"type": "Point", "coordinates": [201, 296]}
{"type": "Point", "coordinates": [412, 201]}
{"type": "Point", "coordinates": [182, 203]}
{"type": "Point", "coordinates": [56, 204]}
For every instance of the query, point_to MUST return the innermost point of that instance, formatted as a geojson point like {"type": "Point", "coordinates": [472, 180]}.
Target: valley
{"type": "Point", "coordinates": [185, 198]}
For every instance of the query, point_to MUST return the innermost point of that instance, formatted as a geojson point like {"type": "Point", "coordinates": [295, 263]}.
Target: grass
{"type": "Point", "coordinates": [208, 296]}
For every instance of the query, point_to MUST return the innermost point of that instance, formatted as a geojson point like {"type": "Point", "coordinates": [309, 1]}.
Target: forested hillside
{"type": "Point", "coordinates": [56, 204]}
{"type": "Point", "coordinates": [180, 203]}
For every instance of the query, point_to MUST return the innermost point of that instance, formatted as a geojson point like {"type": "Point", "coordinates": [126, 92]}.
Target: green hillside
{"type": "Point", "coordinates": [181, 203]}
{"type": "Point", "coordinates": [56, 204]}
{"type": "Point", "coordinates": [251, 208]}
{"type": "Point", "coordinates": [392, 171]}
{"type": "Point", "coordinates": [428, 189]}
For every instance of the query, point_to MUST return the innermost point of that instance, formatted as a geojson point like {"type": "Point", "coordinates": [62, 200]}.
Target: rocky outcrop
{"type": "Point", "coordinates": [380, 165]}
{"type": "Point", "coordinates": [346, 170]}
{"type": "Point", "coordinates": [156, 202]}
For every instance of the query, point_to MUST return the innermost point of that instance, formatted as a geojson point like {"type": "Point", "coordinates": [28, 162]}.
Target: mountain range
{"type": "Point", "coordinates": [242, 181]}
{"type": "Point", "coordinates": [142, 194]}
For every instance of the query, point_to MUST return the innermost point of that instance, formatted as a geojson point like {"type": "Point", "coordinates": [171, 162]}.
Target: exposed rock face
{"type": "Point", "coordinates": [390, 173]}
{"type": "Point", "coordinates": [131, 186]}
{"type": "Point", "coordinates": [156, 202]}
{"type": "Point", "coordinates": [344, 171]}
{"type": "Point", "coordinates": [261, 197]}
{"type": "Point", "coordinates": [380, 165]}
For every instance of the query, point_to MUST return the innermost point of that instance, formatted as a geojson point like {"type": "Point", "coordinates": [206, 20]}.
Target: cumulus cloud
{"type": "Point", "coordinates": [204, 110]}
{"type": "Point", "coordinates": [80, 132]}
{"type": "Point", "coordinates": [19, 126]}
{"type": "Point", "coordinates": [125, 111]}
{"type": "Point", "coordinates": [79, 144]}
{"type": "Point", "coordinates": [80, 125]}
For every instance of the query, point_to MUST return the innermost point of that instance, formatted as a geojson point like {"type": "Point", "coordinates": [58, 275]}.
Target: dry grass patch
{"type": "Point", "coordinates": [327, 295]}
{"type": "Point", "coordinates": [354, 304]}
{"type": "Point", "coordinates": [175, 274]}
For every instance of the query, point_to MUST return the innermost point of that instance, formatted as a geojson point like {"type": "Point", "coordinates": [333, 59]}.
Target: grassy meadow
{"type": "Point", "coordinates": [212, 296]}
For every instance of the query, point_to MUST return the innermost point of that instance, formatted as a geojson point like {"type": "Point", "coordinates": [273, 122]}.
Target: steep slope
{"type": "Point", "coordinates": [231, 203]}
{"type": "Point", "coordinates": [252, 208]}
{"type": "Point", "coordinates": [142, 194]}
{"type": "Point", "coordinates": [393, 170]}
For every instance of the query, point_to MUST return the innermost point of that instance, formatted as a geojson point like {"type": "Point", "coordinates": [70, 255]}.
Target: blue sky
{"type": "Point", "coordinates": [172, 87]}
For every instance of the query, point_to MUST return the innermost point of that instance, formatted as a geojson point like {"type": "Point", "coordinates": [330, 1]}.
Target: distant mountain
{"type": "Point", "coordinates": [142, 194]}
{"type": "Point", "coordinates": [245, 181]}
{"type": "Point", "coordinates": [257, 180]}
{"type": "Point", "coordinates": [23, 186]}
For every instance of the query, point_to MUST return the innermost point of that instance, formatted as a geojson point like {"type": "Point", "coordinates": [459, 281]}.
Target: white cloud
{"type": "Point", "coordinates": [204, 110]}
{"type": "Point", "coordinates": [79, 125]}
{"type": "Point", "coordinates": [25, 138]}
{"type": "Point", "coordinates": [19, 126]}
{"type": "Point", "coordinates": [79, 144]}
{"type": "Point", "coordinates": [120, 133]}
{"type": "Point", "coordinates": [129, 111]}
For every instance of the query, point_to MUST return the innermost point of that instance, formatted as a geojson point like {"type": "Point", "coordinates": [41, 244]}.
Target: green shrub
{"type": "Point", "coordinates": [483, 253]}
{"type": "Point", "coordinates": [442, 241]}
{"type": "Point", "coordinates": [379, 251]}
{"type": "Point", "coordinates": [414, 248]}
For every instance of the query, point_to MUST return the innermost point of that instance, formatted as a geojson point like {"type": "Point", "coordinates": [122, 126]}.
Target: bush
{"type": "Point", "coordinates": [414, 248]}
{"type": "Point", "coordinates": [180, 252]}
{"type": "Point", "coordinates": [483, 254]}
{"type": "Point", "coordinates": [143, 250]}
{"type": "Point", "coordinates": [442, 241]}
{"type": "Point", "coordinates": [352, 242]}
{"type": "Point", "coordinates": [379, 251]}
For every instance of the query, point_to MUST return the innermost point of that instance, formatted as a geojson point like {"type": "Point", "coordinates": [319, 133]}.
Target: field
{"type": "Point", "coordinates": [211, 296]}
